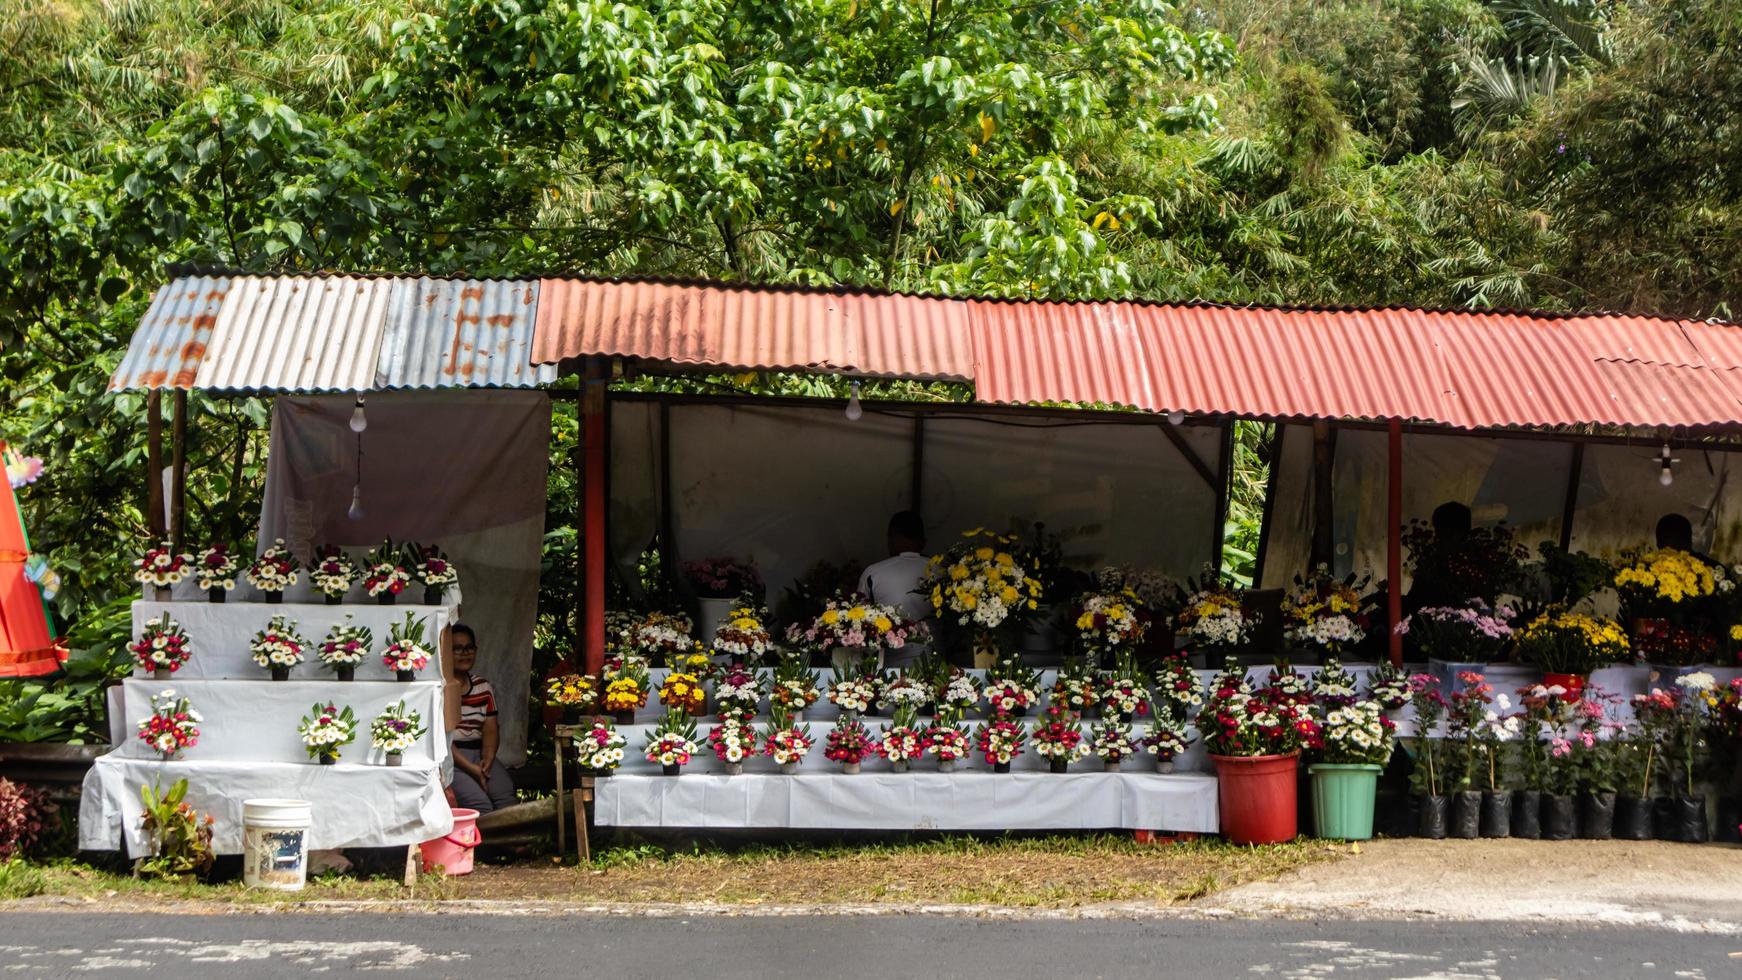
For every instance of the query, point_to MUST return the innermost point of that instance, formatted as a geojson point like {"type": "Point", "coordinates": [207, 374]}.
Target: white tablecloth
{"type": "Point", "coordinates": [352, 805]}
{"type": "Point", "coordinates": [220, 632]}
{"type": "Point", "coordinates": [973, 800]}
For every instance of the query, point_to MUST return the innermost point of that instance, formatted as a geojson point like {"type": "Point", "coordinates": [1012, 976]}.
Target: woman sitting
{"type": "Point", "coordinates": [480, 783]}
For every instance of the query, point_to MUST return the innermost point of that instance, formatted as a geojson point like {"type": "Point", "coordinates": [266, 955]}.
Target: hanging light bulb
{"type": "Point", "coordinates": [1666, 476]}
{"type": "Point", "coordinates": [1176, 417]}
{"type": "Point", "coordinates": [358, 421]}
{"type": "Point", "coordinates": [356, 511]}
{"type": "Point", "coordinates": [854, 412]}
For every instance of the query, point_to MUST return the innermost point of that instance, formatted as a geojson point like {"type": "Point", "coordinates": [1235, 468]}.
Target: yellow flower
{"type": "Point", "coordinates": [856, 614]}
{"type": "Point", "coordinates": [831, 616]}
{"type": "Point", "coordinates": [958, 572]}
{"type": "Point", "coordinates": [983, 553]}
{"type": "Point", "coordinates": [883, 623]}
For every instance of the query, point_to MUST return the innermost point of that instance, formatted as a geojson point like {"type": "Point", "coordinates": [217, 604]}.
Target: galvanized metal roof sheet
{"type": "Point", "coordinates": [461, 332]}
{"type": "Point", "coordinates": [171, 339]}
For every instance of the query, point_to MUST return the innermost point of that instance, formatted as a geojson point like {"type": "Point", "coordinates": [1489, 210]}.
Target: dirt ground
{"type": "Point", "coordinates": [1619, 882]}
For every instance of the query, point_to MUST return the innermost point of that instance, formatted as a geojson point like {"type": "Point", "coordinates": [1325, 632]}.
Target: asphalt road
{"type": "Point", "coordinates": [816, 948]}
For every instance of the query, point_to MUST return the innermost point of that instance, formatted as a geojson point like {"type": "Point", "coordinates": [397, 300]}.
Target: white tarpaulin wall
{"type": "Point", "coordinates": [1522, 482]}
{"type": "Point", "coordinates": [464, 470]}
{"type": "Point", "coordinates": [790, 486]}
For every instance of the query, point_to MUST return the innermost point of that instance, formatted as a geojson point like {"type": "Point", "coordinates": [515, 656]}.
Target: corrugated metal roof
{"type": "Point", "coordinates": [888, 335]}
{"type": "Point", "coordinates": [461, 332]}
{"type": "Point", "coordinates": [171, 338]}
{"type": "Point", "coordinates": [296, 334]}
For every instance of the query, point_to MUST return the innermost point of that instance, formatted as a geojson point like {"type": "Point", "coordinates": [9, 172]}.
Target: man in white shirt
{"type": "Point", "coordinates": [895, 581]}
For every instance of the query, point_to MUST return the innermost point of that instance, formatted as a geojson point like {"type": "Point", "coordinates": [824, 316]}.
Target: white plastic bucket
{"type": "Point", "coordinates": [275, 844]}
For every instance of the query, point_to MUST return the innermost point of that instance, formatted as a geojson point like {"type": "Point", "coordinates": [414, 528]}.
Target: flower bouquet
{"type": "Point", "coordinates": [853, 692]}
{"type": "Point", "coordinates": [661, 638]}
{"type": "Point", "coordinates": [161, 567]}
{"type": "Point", "coordinates": [1177, 690]}
{"type": "Point", "coordinates": [1077, 688]}
{"type": "Point", "coordinates": [1287, 684]}
{"type": "Point", "coordinates": [1269, 722]}
{"type": "Point", "coordinates": [999, 741]}
{"type": "Point", "coordinates": [344, 647]}
{"type": "Point", "coordinates": [1214, 618]}
{"type": "Point", "coordinates": [1167, 740]}
{"type": "Point", "coordinates": [1113, 744]}
{"type": "Point", "coordinates": [737, 693]}
{"type": "Point", "coordinates": [986, 584]}
{"type": "Point", "coordinates": [332, 573]}
{"type": "Point", "coordinates": [278, 647]}
{"type": "Point", "coordinates": [326, 730]}
{"type": "Point", "coordinates": [1356, 734]}
{"type": "Point", "coordinates": [1567, 646]}
{"type": "Point", "coordinates": [405, 653]}
{"type": "Point", "coordinates": [671, 744]}
{"type": "Point", "coordinates": [903, 689]}
{"type": "Point", "coordinates": [1333, 685]}
{"type": "Point", "coordinates": [172, 726]}
{"type": "Point", "coordinates": [599, 749]}
{"type": "Point", "coordinates": [162, 646]}
{"type": "Point", "coordinates": [395, 730]}
{"type": "Point", "coordinates": [1110, 624]}
{"type": "Point", "coordinates": [1389, 686]}
{"type": "Point", "coordinates": [857, 625]}
{"type": "Point", "coordinates": [722, 578]}
{"type": "Point", "coordinates": [273, 572]}
{"type": "Point", "coordinates": [684, 692]}
{"type": "Point", "coordinates": [1058, 738]}
{"type": "Point", "coordinates": [959, 694]}
{"type": "Point", "coordinates": [1355, 741]}
{"type": "Point", "coordinates": [792, 686]}
{"type": "Point", "coordinates": [733, 741]}
{"type": "Point", "coordinates": [215, 570]}
{"type": "Point", "coordinates": [1663, 584]}
{"type": "Point", "coordinates": [903, 740]}
{"type": "Point", "coordinates": [786, 742]}
{"type": "Point", "coordinates": [1011, 689]}
{"type": "Point", "coordinates": [1473, 634]}
{"type": "Point", "coordinates": [849, 744]}
{"type": "Point", "coordinates": [948, 742]}
{"type": "Point", "coordinates": [743, 636]}
{"type": "Point", "coordinates": [432, 570]}
{"type": "Point", "coordinates": [1326, 614]}
{"type": "Point", "coordinates": [384, 577]}
{"type": "Point", "coordinates": [626, 691]}
{"type": "Point", "coordinates": [1123, 695]}
{"type": "Point", "coordinates": [572, 692]}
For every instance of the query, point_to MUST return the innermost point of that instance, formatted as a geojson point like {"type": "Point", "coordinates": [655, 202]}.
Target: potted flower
{"type": "Point", "coordinates": [742, 634]}
{"type": "Point", "coordinates": [1459, 639]}
{"type": "Point", "coordinates": [1255, 740]}
{"type": "Point", "coordinates": [575, 694]}
{"type": "Point", "coordinates": [671, 744]}
{"type": "Point", "coordinates": [1488, 760]}
{"type": "Point", "coordinates": [1428, 778]}
{"type": "Point", "coordinates": [162, 646]}
{"type": "Point", "coordinates": [662, 638]}
{"type": "Point", "coordinates": [344, 647]}
{"type": "Point", "coordinates": [599, 749]}
{"type": "Point", "coordinates": [1635, 756]}
{"type": "Point", "coordinates": [1213, 619]}
{"type": "Point", "coordinates": [215, 569]}
{"type": "Point", "coordinates": [1333, 684]}
{"type": "Point", "coordinates": [1596, 760]}
{"type": "Point", "coordinates": [625, 691]}
{"type": "Point", "coordinates": [903, 740]}
{"type": "Point", "coordinates": [786, 741]}
{"type": "Point", "coordinates": [1112, 744]}
{"type": "Point", "coordinates": [1326, 615]}
{"type": "Point", "coordinates": [1177, 690]}
{"type": "Point", "coordinates": [1389, 686]}
{"type": "Point", "coordinates": [902, 690]}
{"type": "Point", "coordinates": [332, 573]}
{"type": "Point", "coordinates": [733, 741]}
{"type": "Point", "coordinates": [1058, 738]}
{"type": "Point", "coordinates": [394, 731]}
{"type": "Point", "coordinates": [684, 692]}
{"type": "Point", "coordinates": [853, 627]}
{"type": "Point", "coordinates": [1167, 740]}
{"type": "Point", "coordinates": [1465, 711]}
{"type": "Point", "coordinates": [325, 730]}
{"type": "Point", "coordinates": [278, 647]}
{"type": "Point", "coordinates": [405, 653]}
{"type": "Point", "coordinates": [1123, 695]}
{"type": "Point", "coordinates": [384, 577]}
{"type": "Point", "coordinates": [947, 741]}
{"type": "Point", "coordinates": [959, 694]}
{"type": "Point", "coordinates": [273, 572]}
{"type": "Point", "coordinates": [1567, 646]}
{"type": "Point", "coordinates": [1077, 689]}
{"type": "Point", "coordinates": [161, 568]}
{"type": "Point", "coordinates": [172, 726]}
{"type": "Point", "coordinates": [1000, 741]}
{"type": "Point", "coordinates": [1681, 720]}
{"type": "Point", "coordinates": [1011, 689]}
{"type": "Point", "coordinates": [849, 743]}
{"type": "Point", "coordinates": [1661, 592]}
{"type": "Point", "coordinates": [792, 686]}
{"type": "Point", "coordinates": [432, 570]}
{"type": "Point", "coordinates": [737, 692]}
{"type": "Point", "coordinates": [852, 692]}
{"type": "Point", "coordinates": [1110, 624]}
{"type": "Point", "coordinates": [1355, 744]}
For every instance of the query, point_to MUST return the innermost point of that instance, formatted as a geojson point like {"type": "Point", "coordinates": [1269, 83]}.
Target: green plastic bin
{"type": "Point", "coordinates": [1343, 800]}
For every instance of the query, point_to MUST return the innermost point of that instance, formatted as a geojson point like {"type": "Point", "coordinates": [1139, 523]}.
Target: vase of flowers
{"type": "Point", "coordinates": [1665, 589]}
{"type": "Point", "coordinates": [172, 726]}
{"type": "Point", "coordinates": [394, 731]}
{"type": "Point", "coordinates": [599, 749]}
{"type": "Point", "coordinates": [902, 689]}
{"type": "Point", "coordinates": [722, 585]}
{"type": "Point", "coordinates": [903, 739]}
{"type": "Point", "coordinates": [162, 647]}
{"type": "Point", "coordinates": [273, 572]}
{"type": "Point", "coordinates": [737, 693]}
{"type": "Point", "coordinates": [849, 744]}
{"type": "Point", "coordinates": [740, 634]}
{"type": "Point", "coordinates": [1077, 688]}
{"type": "Point", "coordinates": [1058, 738]}
{"type": "Point", "coordinates": [792, 686]}
{"type": "Point", "coordinates": [1213, 618]}
{"type": "Point", "coordinates": [1167, 740]}
{"type": "Point", "coordinates": [1567, 646]}
{"type": "Point", "coordinates": [673, 742]}
{"type": "Point", "coordinates": [984, 590]}
{"type": "Point", "coordinates": [332, 573]}
{"type": "Point", "coordinates": [1112, 744]}
{"type": "Point", "coordinates": [786, 741]}
{"type": "Point", "coordinates": [215, 569]}
{"type": "Point", "coordinates": [947, 741]}
{"type": "Point", "coordinates": [325, 730]}
{"type": "Point", "coordinates": [1000, 742]}
{"type": "Point", "coordinates": [1458, 640]}
{"type": "Point", "coordinates": [1333, 685]}
{"type": "Point", "coordinates": [1390, 686]}
{"type": "Point", "coordinates": [406, 653]}
{"type": "Point", "coordinates": [626, 691]}
{"type": "Point", "coordinates": [683, 692]}
{"type": "Point", "coordinates": [855, 628]}
{"type": "Point", "coordinates": [1255, 739]}
{"type": "Point", "coordinates": [344, 647]}
{"type": "Point", "coordinates": [1011, 688]}
{"type": "Point", "coordinates": [573, 693]}
{"type": "Point", "coordinates": [432, 570]}
{"type": "Point", "coordinates": [1327, 615]}
{"type": "Point", "coordinates": [161, 568]}
{"type": "Point", "coordinates": [1356, 742]}
{"type": "Point", "coordinates": [1123, 695]}
{"type": "Point", "coordinates": [853, 691]}
{"type": "Point", "coordinates": [733, 741]}
{"type": "Point", "coordinates": [958, 694]}
{"type": "Point", "coordinates": [661, 637]}
{"type": "Point", "coordinates": [1110, 624]}
{"type": "Point", "coordinates": [1177, 691]}
{"type": "Point", "coordinates": [384, 575]}
{"type": "Point", "coordinates": [278, 647]}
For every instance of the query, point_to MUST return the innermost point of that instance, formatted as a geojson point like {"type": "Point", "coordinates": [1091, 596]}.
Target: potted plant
{"type": "Point", "coordinates": [384, 577]}
{"type": "Point", "coordinates": [673, 742]}
{"type": "Point", "coordinates": [1123, 695]}
{"type": "Point", "coordinates": [1428, 777]}
{"type": "Point", "coordinates": [1356, 741]}
{"type": "Point", "coordinates": [983, 591]}
{"type": "Point", "coordinates": [179, 838]}
{"type": "Point", "coordinates": [1326, 615]}
{"type": "Point", "coordinates": [1567, 646]}
{"type": "Point", "coordinates": [405, 653]}
{"type": "Point", "coordinates": [733, 741]}
{"type": "Point", "coordinates": [786, 741]}
{"type": "Point", "coordinates": [1177, 690]}
{"type": "Point", "coordinates": [394, 731]}
{"type": "Point", "coordinates": [947, 741]}
{"type": "Point", "coordinates": [344, 647]}
{"type": "Point", "coordinates": [432, 570]}
{"type": "Point", "coordinates": [1011, 689]}
{"type": "Point", "coordinates": [1112, 744]}
{"type": "Point", "coordinates": [1683, 725]}
{"type": "Point", "coordinates": [1536, 714]}
{"type": "Point", "coordinates": [1058, 738]}
{"type": "Point", "coordinates": [792, 686]}
{"type": "Point", "coordinates": [273, 572]}
{"type": "Point", "coordinates": [575, 694]}
{"type": "Point", "coordinates": [1287, 685]}
{"type": "Point", "coordinates": [1594, 758]}
{"type": "Point", "coordinates": [742, 636]}
{"type": "Point", "coordinates": [172, 726]}
{"type": "Point", "coordinates": [215, 569]}
{"type": "Point", "coordinates": [599, 749]}
{"type": "Point", "coordinates": [1635, 757]}
{"type": "Point", "coordinates": [1459, 640]}
{"type": "Point", "coordinates": [1550, 711]}
{"type": "Point", "coordinates": [849, 743]}
{"type": "Point", "coordinates": [1167, 740]}
{"type": "Point", "coordinates": [332, 573]}
{"type": "Point", "coordinates": [626, 691]}
{"type": "Point", "coordinates": [851, 692]}
{"type": "Point", "coordinates": [1077, 688]}
{"type": "Point", "coordinates": [684, 692]}
{"type": "Point", "coordinates": [1492, 732]}
{"type": "Point", "coordinates": [1110, 624]}
{"type": "Point", "coordinates": [325, 730]}
{"type": "Point", "coordinates": [161, 568]}
{"type": "Point", "coordinates": [1663, 594]}
{"type": "Point", "coordinates": [1333, 685]}
{"type": "Point", "coordinates": [737, 693]}
{"type": "Point", "coordinates": [278, 647]}
{"type": "Point", "coordinates": [903, 740]}
{"type": "Point", "coordinates": [1464, 759]}
{"type": "Point", "coordinates": [1000, 741]}
{"type": "Point", "coordinates": [162, 647]}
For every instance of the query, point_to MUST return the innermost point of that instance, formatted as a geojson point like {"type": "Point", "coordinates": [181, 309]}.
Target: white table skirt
{"type": "Point", "coordinates": [353, 805]}
{"type": "Point", "coordinates": [973, 800]}
{"type": "Point", "coordinates": [220, 632]}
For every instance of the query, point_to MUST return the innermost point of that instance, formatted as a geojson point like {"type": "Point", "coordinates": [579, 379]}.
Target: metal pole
{"type": "Point", "coordinates": [1575, 476]}
{"type": "Point", "coordinates": [1394, 540]}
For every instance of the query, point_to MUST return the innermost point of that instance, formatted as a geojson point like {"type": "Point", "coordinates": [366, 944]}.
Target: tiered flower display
{"type": "Point", "coordinates": [1214, 618]}
{"type": "Point", "coordinates": [733, 741]}
{"type": "Point", "coordinates": [849, 744]}
{"type": "Point", "coordinates": [344, 647]}
{"type": "Point", "coordinates": [162, 567]}
{"type": "Point", "coordinates": [625, 692]}
{"type": "Point", "coordinates": [1325, 613]}
{"type": "Point", "coordinates": [786, 742]}
{"type": "Point", "coordinates": [1333, 684]}
{"type": "Point", "coordinates": [903, 740]}
{"type": "Point", "coordinates": [405, 653]}
{"type": "Point", "coordinates": [332, 572]}
{"type": "Point", "coordinates": [1077, 688]}
{"type": "Point", "coordinates": [578, 692]}
{"type": "Point", "coordinates": [215, 570]}
{"type": "Point", "coordinates": [743, 635]}
{"type": "Point", "coordinates": [274, 571]}
{"type": "Point", "coordinates": [172, 726]}
{"type": "Point", "coordinates": [683, 692]}
{"type": "Point", "coordinates": [1011, 689]}
{"type": "Point", "coordinates": [1167, 740]}
{"type": "Point", "coordinates": [163, 645]}
{"type": "Point", "coordinates": [792, 686]}
{"type": "Point", "coordinates": [1112, 744]}
{"type": "Point", "coordinates": [672, 743]}
{"type": "Point", "coordinates": [1058, 738]}
{"type": "Point", "coordinates": [599, 749]}
{"type": "Point", "coordinates": [1177, 690]}
{"type": "Point", "coordinates": [737, 693]}
{"type": "Point", "coordinates": [325, 730]}
{"type": "Point", "coordinates": [1122, 692]}
{"type": "Point", "coordinates": [1110, 624]}
{"type": "Point", "coordinates": [278, 647]}
{"type": "Point", "coordinates": [385, 575]}
{"type": "Point", "coordinates": [1474, 633]}
{"type": "Point", "coordinates": [855, 623]}
{"type": "Point", "coordinates": [395, 730]}
{"type": "Point", "coordinates": [1000, 741]}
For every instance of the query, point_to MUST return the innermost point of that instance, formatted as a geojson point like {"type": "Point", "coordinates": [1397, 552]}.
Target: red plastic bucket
{"type": "Point", "coordinates": [453, 853]}
{"type": "Point", "coordinates": [1257, 795]}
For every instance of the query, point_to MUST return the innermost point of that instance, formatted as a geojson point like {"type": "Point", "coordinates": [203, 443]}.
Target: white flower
{"type": "Point", "coordinates": [1699, 681]}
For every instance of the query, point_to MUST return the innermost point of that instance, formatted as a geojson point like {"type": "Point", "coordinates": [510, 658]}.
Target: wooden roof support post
{"type": "Point", "coordinates": [1394, 540]}
{"type": "Point", "coordinates": [179, 471]}
{"type": "Point", "coordinates": [1324, 517]}
{"type": "Point", "coordinates": [154, 464]}
{"type": "Point", "coordinates": [593, 521]}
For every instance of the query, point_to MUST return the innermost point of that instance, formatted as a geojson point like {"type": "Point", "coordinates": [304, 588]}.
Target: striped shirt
{"type": "Point", "coordinates": [477, 704]}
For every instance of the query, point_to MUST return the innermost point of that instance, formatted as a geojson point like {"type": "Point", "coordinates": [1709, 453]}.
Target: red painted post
{"type": "Point", "coordinates": [1394, 539]}
{"type": "Point", "coordinates": [593, 524]}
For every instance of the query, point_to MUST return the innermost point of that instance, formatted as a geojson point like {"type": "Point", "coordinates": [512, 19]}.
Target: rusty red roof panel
{"type": "Point", "coordinates": [172, 337]}
{"type": "Point", "coordinates": [476, 333]}
{"type": "Point", "coordinates": [888, 335]}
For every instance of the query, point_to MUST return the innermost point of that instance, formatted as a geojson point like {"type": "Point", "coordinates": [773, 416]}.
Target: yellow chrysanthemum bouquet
{"type": "Point", "coordinates": [1564, 642]}
{"type": "Point", "coordinates": [986, 583]}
